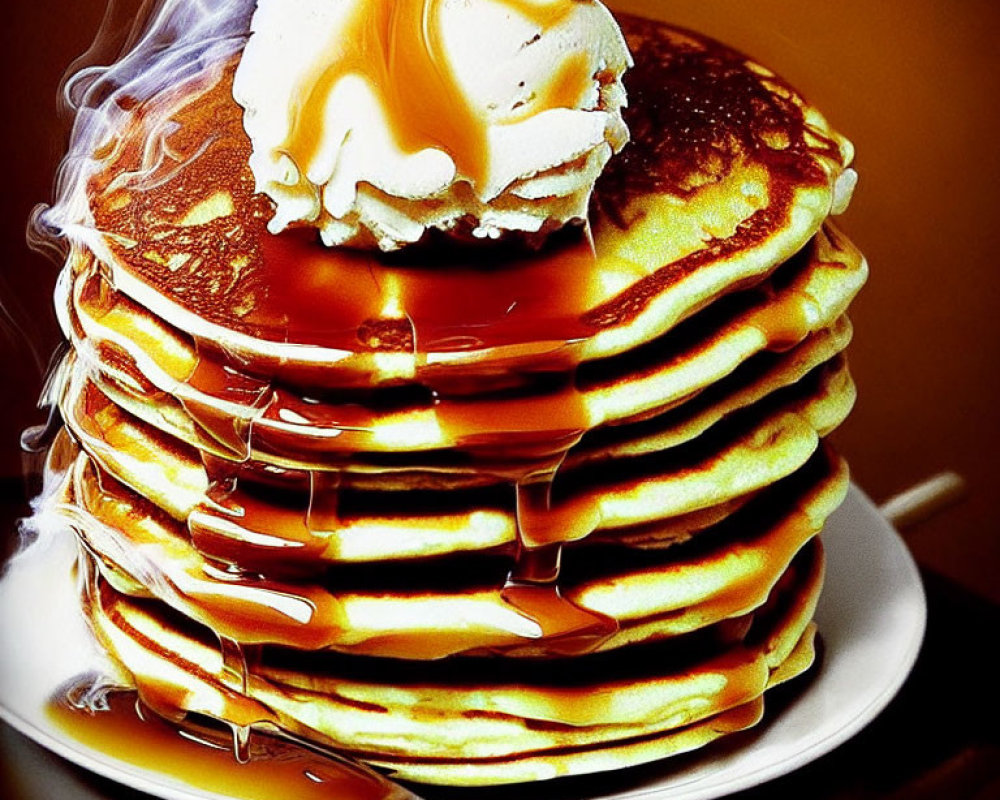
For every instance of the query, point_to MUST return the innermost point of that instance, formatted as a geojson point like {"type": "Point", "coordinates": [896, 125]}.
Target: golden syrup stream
{"type": "Point", "coordinates": [787, 319]}
{"type": "Point", "coordinates": [220, 380]}
{"type": "Point", "coordinates": [236, 676]}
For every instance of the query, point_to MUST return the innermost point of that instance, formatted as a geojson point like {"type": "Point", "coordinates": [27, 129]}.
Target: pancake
{"type": "Point", "coordinates": [452, 608]}
{"type": "Point", "coordinates": [472, 514]}
{"type": "Point", "coordinates": [760, 377]}
{"type": "Point", "coordinates": [110, 332]}
{"type": "Point", "coordinates": [510, 724]}
{"type": "Point", "coordinates": [749, 452]}
{"type": "Point", "coordinates": [695, 206]}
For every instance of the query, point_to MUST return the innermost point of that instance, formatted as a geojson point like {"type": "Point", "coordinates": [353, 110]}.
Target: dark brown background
{"type": "Point", "coordinates": [913, 82]}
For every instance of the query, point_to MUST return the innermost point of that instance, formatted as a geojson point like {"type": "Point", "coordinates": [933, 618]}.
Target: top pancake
{"type": "Point", "coordinates": [726, 177]}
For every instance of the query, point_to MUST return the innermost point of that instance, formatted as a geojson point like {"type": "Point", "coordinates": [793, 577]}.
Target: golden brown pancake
{"type": "Point", "coordinates": [135, 354]}
{"type": "Point", "coordinates": [746, 452]}
{"type": "Point", "coordinates": [430, 611]}
{"type": "Point", "coordinates": [726, 177]}
{"type": "Point", "coordinates": [479, 722]}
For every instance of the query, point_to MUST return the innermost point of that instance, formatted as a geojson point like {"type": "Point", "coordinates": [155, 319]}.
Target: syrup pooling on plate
{"type": "Point", "coordinates": [199, 753]}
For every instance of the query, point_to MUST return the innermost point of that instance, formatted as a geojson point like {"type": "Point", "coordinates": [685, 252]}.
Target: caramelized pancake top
{"type": "Point", "coordinates": [726, 163]}
{"type": "Point", "coordinates": [697, 110]}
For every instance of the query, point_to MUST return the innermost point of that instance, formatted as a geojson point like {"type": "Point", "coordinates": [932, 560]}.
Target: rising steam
{"type": "Point", "coordinates": [172, 43]}
{"type": "Point", "coordinates": [168, 44]}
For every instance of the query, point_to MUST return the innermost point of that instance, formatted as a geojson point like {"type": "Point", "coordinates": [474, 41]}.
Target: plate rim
{"type": "Point", "coordinates": [892, 545]}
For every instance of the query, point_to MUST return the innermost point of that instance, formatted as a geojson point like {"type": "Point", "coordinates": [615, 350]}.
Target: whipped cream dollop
{"type": "Point", "coordinates": [375, 120]}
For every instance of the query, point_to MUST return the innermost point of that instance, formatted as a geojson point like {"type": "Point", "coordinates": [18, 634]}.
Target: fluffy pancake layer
{"type": "Point", "coordinates": [509, 724]}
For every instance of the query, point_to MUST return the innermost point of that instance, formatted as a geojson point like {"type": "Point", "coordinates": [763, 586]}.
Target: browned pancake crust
{"type": "Point", "coordinates": [698, 111]}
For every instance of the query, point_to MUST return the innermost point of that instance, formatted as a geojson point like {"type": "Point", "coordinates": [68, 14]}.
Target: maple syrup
{"type": "Point", "coordinates": [243, 395]}
{"type": "Point", "coordinates": [200, 754]}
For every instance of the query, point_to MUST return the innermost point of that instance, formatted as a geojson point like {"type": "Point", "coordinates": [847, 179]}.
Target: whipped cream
{"type": "Point", "coordinates": [374, 120]}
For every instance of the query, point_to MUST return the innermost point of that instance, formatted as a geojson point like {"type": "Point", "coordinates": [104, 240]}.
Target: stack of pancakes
{"type": "Point", "coordinates": [474, 515]}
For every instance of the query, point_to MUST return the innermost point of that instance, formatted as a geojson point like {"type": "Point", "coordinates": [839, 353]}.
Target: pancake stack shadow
{"type": "Point", "coordinates": [471, 516]}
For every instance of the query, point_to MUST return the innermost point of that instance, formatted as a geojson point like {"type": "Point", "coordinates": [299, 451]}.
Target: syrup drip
{"type": "Point", "coordinates": [239, 528]}
{"type": "Point", "coordinates": [198, 754]}
{"type": "Point", "coordinates": [235, 604]}
{"type": "Point", "coordinates": [220, 511]}
{"type": "Point", "coordinates": [397, 47]}
{"type": "Point", "coordinates": [532, 587]}
{"type": "Point", "coordinates": [247, 396]}
{"type": "Point", "coordinates": [324, 501]}
{"type": "Point", "coordinates": [223, 510]}
{"type": "Point", "coordinates": [236, 676]}
{"type": "Point", "coordinates": [787, 319]}
{"type": "Point", "coordinates": [245, 608]}
{"type": "Point", "coordinates": [525, 447]}
{"type": "Point", "coordinates": [523, 439]}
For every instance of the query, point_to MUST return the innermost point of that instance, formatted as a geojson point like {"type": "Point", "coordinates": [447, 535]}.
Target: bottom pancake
{"type": "Point", "coordinates": [483, 720]}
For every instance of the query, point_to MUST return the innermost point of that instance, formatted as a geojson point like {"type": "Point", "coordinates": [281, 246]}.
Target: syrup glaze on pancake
{"type": "Point", "coordinates": [554, 714]}
{"type": "Point", "coordinates": [214, 258]}
{"type": "Point", "coordinates": [453, 605]}
{"type": "Point", "coordinates": [129, 347]}
{"type": "Point", "coordinates": [109, 343]}
{"type": "Point", "coordinates": [641, 483]}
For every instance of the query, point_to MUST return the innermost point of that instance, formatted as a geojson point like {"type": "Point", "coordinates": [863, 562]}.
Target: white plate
{"type": "Point", "coordinates": [871, 617]}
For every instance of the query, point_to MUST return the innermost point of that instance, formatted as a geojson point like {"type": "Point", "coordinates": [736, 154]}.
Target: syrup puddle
{"type": "Point", "coordinates": [199, 753]}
